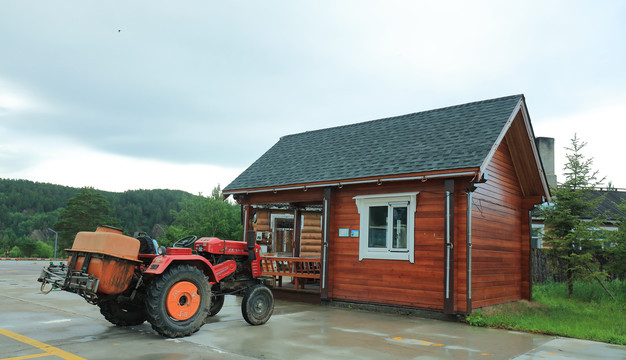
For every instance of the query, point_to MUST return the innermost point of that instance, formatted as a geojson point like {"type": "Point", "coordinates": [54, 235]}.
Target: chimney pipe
{"type": "Point", "coordinates": [545, 146]}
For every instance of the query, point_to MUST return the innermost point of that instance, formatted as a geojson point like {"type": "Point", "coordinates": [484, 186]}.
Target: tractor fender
{"type": "Point", "coordinates": [215, 273]}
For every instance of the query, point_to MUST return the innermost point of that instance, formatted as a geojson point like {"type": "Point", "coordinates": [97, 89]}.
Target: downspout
{"type": "Point", "coordinates": [325, 243]}
{"type": "Point", "coordinates": [449, 274]}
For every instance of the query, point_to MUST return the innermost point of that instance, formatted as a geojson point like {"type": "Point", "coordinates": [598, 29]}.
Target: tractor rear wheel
{"type": "Point", "coordinates": [257, 305]}
{"type": "Point", "coordinates": [122, 314]}
{"type": "Point", "coordinates": [217, 302]}
{"type": "Point", "coordinates": [178, 301]}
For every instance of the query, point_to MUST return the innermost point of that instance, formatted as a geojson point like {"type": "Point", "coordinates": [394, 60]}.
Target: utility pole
{"type": "Point", "coordinates": [56, 236]}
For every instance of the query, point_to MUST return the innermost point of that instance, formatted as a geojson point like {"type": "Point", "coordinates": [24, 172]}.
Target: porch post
{"type": "Point", "coordinates": [325, 239]}
{"type": "Point", "coordinates": [246, 220]}
{"type": "Point", "coordinates": [297, 234]}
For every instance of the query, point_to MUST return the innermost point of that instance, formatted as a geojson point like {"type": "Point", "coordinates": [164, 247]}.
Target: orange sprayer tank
{"type": "Point", "coordinates": [113, 257]}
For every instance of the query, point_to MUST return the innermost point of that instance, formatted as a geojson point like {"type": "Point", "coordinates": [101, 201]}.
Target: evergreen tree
{"type": "Point", "coordinates": [571, 228]}
{"type": "Point", "coordinates": [84, 212]}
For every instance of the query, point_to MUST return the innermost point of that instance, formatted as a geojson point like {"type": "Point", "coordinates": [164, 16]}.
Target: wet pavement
{"type": "Point", "coordinates": [64, 326]}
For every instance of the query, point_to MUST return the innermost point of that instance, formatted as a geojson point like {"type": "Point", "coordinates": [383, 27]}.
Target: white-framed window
{"type": "Point", "coordinates": [387, 226]}
{"type": "Point", "coordinates": [536, 236]}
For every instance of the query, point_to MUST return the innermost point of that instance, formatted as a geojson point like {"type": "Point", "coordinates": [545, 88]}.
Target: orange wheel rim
{"type": "Point", "coordinates": [182, 300]}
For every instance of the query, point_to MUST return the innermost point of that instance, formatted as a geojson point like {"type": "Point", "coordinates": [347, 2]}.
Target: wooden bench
{"type": "Point", "coordinates": [293, 267]}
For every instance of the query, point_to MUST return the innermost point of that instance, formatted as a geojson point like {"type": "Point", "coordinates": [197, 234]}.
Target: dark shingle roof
{"type": "Point", "coordinates": [442, 139]}
{"type": "Point", "coordinates": [606, 208]}
{"type": "Point", "coordinates": [608, 205]}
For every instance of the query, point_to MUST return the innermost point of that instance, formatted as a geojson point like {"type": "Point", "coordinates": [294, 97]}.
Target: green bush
{"type": "Point", "coordinates": [476, 319]}
{"type": "Point", "coordinates": [43, 250]}
{"type": "Point", "coordinates": [15, 252]}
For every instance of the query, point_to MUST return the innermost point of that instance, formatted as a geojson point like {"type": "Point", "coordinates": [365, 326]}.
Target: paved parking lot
{"type": "Point", "coordinates": [64, 326]}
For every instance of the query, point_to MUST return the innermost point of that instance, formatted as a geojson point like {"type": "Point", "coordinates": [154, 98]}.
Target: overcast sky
{"type": "Point", "coordinates": [123, 95]}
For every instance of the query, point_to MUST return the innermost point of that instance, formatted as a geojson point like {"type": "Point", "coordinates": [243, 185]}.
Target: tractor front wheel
{"type": "Point", "coordinates": [217, 302]}
{"type": "Point", "coordinates": [122, 314]}
{"type": "Point", "coordinates": [178, 301]}
{"type": "Point", "coordinates": [257, 305]}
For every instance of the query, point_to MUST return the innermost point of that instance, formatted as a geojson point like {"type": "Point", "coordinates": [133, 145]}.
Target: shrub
{"type": "Point", "coordinates": [15, 252]}
{"type": "Point", "coordinates": [476, 319]}
{"type": "Point", "coordinates": [43, 250]}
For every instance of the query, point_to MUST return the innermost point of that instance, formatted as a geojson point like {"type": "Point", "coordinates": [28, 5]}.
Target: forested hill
{"type": "Point", "coordinates": [28, 207]}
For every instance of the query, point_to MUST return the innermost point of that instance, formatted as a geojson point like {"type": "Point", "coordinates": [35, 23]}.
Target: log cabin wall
{"type": "Point", "coordinates": [311, 224]}
{"type": "Point", "coordinates": [396, 282]}
{"type": "Point", "coordinates": [498, 225]}
{"type": "Point", "coordinates": [310, 235]}
{"type": "Point", "coordinates": [264, 226]}
{"type": "Point", "coordinates": [526, 284]}
{"type": "Point", "coordinates": [262, 220]}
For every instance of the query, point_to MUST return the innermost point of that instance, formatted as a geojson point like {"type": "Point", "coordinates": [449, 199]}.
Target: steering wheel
{"type": "Point", "coordinates": [186, 241]}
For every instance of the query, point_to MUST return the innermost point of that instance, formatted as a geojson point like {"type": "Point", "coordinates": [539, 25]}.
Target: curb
{"type": "Point", "coordinates": [31, 259]}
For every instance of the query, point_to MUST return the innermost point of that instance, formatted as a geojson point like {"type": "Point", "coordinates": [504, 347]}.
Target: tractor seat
{"type": "Point", "coordinates": [146, 244]}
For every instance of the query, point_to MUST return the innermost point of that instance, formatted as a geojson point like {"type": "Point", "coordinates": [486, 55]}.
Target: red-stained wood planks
{"type": "Point", "coordinates": [389, 281]}
{"type": "Point", "coordinates": [497, 234]}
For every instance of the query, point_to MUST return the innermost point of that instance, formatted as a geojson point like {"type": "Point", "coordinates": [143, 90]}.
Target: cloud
{"type": "Point", "coordinates": [216, 84]}
{"type": "Point", "coordinates": [600, 127]}
{"type": "Point", "coordinates": [77, 166]}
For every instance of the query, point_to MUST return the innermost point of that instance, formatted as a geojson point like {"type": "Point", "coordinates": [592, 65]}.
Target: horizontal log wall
{"type": "Point", "coordinates": [497, 218]}
{"type": "Point", "coordinates": [460, 248]}
{"type": "Point", "coordinates": [311, 232]}
{"type": "Point", "coordinates": [311, 235]}
{"type": "Point", "coordinates": [262, 220]}
{"type": "Point", "coordinates": [389, 281]}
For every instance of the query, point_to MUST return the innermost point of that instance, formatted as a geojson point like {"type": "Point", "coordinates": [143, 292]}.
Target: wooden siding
{"type": "Point", "coordinates": [389, 281]}
{"type": "Point", "coordinates": [497, 234]}
{"type": "Point", "coordinates": [460, 248]}
{"type": "Point", "coordinates": [525, 159]}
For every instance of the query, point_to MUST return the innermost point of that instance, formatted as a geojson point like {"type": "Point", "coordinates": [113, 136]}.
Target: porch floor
{"type": "Point", "coordinates": [288, 284]}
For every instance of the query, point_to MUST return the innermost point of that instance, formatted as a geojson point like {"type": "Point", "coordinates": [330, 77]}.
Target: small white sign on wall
{"type": "Point", "coordinates": [344, 232]}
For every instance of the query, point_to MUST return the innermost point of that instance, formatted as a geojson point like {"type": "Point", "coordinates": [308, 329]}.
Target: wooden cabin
{"type": "Point", "coordinates": [428, 210]}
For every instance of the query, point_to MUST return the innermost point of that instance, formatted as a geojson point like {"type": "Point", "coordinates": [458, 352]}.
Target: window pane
{"type": "Point", "coordinates": [377, 227]}
{"type": "Point", "coordinates": [399, 228]}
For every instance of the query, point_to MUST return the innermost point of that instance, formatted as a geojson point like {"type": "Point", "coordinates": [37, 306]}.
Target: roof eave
{"type": "Point", "coordinates": [425, 176]}
{"type": "Point", "coordinates": [520, 106]}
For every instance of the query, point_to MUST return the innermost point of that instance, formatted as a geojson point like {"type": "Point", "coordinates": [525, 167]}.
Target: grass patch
{"type": "Point", "coordinates": [589, 314]}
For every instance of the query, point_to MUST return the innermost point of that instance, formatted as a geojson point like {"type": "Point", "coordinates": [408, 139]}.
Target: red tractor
{"type": "Point", "coordinates": [132, 279]}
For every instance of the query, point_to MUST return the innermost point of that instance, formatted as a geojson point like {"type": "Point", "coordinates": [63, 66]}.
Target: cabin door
{"type": "Point", "coordinates": [283, 236]}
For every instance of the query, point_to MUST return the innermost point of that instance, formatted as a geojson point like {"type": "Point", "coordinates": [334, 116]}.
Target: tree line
{"type": "Point", "coordinates": [29, 209]}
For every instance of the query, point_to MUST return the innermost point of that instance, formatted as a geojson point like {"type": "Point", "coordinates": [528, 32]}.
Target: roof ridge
{"type": "Point", "coordinates": [360, 123]}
